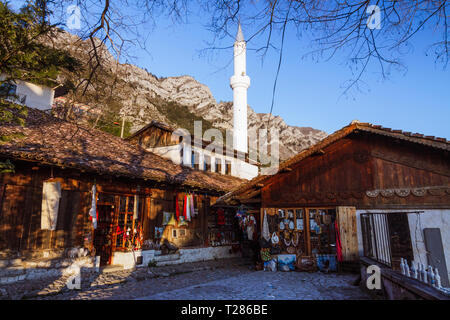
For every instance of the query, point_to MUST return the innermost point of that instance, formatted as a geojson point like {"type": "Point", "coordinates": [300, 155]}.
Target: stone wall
{"type": "Point", "coordinates": [128, 260]}
{"type": "Point", "coordinates": [43, 264]}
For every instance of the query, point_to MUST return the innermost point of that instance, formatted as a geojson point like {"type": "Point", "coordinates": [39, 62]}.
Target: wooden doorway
{"type": "Point", "coordinates": [103, 235]}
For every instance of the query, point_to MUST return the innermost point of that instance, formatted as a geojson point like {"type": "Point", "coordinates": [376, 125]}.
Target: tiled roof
{"type": "Point", "coordinates": [431, 141]}
{"type": "Point", "coordinates": [54, 141]}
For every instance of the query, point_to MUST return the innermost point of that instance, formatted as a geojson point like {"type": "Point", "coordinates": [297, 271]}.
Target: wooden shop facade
{"type": "Point", "coordinates": [364, 191]}
{"type": "Point", "coordinates": [135, 193]}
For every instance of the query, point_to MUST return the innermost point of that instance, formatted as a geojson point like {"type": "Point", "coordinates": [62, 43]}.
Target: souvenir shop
{"type": "Point", "coordinates": [306, 239]}
{"type": "Point", "coordinates": [177, 219]}
{"type": "Point", "coordinates": [118, 226]}
{"type": "Point", "coordinates": [237, 226]}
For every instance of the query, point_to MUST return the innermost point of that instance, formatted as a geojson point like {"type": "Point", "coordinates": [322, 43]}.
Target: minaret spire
{"type": "Point", "coordinates": [240, 82]}
{"type": "Point", "coordinates": [239, 35]}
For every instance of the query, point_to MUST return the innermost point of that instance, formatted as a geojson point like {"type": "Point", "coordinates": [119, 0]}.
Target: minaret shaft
{"type": "Point", "coordinates": [240, 82]}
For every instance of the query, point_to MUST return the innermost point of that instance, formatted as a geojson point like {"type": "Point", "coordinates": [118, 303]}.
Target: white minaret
{"type": "Point", "coordinates": [240, 82]}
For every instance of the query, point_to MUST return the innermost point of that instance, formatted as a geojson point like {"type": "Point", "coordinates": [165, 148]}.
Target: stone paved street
{"type": "Point", "coordinates": [221, 279]}
{"type": "Point", "coordinates": [270, 286]}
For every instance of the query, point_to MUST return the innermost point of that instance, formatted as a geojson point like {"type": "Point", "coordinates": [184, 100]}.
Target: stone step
{"type": "Point", "coordinates": [111, 268]}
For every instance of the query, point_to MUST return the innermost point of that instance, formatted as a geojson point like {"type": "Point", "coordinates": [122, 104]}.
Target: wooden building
{"type": "Point", "coordinates": [134, 189]}
{"type": "Point", "coordinates": [382, 187]}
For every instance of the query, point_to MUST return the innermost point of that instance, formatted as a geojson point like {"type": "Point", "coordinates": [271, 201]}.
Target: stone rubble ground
{"type": "Point", "coordinates": [217, 279]}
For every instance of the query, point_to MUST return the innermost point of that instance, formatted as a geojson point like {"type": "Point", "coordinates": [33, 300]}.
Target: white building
{"type": "Point", "coordinates": [29, 94]}
{"type": "Point", "coordinates": [185, 150]}
{"type": "Point", "coordinates": [159, 138]}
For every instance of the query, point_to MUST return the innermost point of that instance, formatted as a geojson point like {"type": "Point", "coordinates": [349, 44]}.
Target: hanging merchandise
{"type": "Point", "coordinates": [188, 208]}
{"type": "Point", "coordinates": [166, 217]}
{"type": "Point", "coordinates": [93, 211]}
{"type": "Point", "coordinates": [338, 242]}
{"type": "Point", "coordinates": [291, 225]}
{"type": "Point", "coordinates": [191, 202]}
{"type": "Point", "coordinates": [158, 232]}
{"type": "Point", "coordinates": [275, 238]}
{"type": "Point", "coordinates": [51, 193]}
{"type": "Point", "coordinates": [177, 207]}
{"type": "Point", "coordinates": [182, 222]}
{"type": "Point", "coordinates": [250, 231]}
{"type": "Point", "coordinates": [265, 231]}
{"type": "Point", "coordinates": [184, 207]}
{"type": "Point", "coordinates": [251, 227]}
{"type": "Point", "coordinates": [281, 225]}
{"type": "Point", "coordinates": [136, 205]}
{"type": "Point", "coordinates": [220, 217]}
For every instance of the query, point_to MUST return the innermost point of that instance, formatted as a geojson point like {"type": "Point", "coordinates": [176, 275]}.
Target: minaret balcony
{"type": "Point", "coordinates": [239, 81]}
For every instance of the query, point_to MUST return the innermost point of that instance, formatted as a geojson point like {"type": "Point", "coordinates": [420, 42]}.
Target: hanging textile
{"type": "Point", "coordinates": [93, 211]}
{"type": "Point", "coordinates": [136, 207]}
{"type": "Point", "coordinates": [265, 230]}
{"type": "Point", "coordinates": [191, 202]}
{"type": "Point", "coordinates": [177, 207]}
{"type": "Point", "coordinates": [220, 217]}
{"type": "Point", "coordinates": [51, 193]}
{"type": "Point", "coordinates": [338, 243]}
{"type": "Point", "coordinates": [184, 206]}
{"type": "Point", "coordinates": [188, 208]}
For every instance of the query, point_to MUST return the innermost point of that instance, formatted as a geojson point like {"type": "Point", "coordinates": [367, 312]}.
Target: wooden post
{"type": "Point", "coordinates": [123, 125]}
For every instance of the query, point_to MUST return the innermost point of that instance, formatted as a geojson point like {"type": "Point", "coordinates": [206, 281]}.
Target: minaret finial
{"type": "Point", "coordinates": [239, 35]}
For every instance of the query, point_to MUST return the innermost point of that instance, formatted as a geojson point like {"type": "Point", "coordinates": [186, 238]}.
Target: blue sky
{"type": "Point", "coordinates": [308, 93]}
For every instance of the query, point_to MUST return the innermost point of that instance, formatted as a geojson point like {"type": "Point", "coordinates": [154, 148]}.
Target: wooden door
{"type": "Point", "coordinates": [348, 233]}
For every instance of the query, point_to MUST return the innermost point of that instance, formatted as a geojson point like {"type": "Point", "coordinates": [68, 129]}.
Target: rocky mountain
{"type": "Point", "coordinates": [179, 101]}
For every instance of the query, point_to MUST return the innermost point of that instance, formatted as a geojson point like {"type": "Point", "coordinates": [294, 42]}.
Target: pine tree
{"type": "Point", "coordinates": [24, 56]}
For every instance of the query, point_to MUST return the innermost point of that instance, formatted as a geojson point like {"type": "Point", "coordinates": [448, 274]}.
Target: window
{"type": "Point", "coordinates": [227, 167]}
{"type": "Point", "coordinates": [386, 237]}
{"type": "Point", "coordinates": [207, 163]}
{"type": "Point", "coordinates": [195, 160]}
{"type": "Point", "coordinates": [8, 89]}
{"type": "Point", "coordinates": [218, 166]}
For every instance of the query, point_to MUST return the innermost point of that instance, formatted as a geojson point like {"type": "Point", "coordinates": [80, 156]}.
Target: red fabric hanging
{"type": "Point", "coordinates": [184, 208]}
{"type": "Point", "coordinates": [338, 243]}
{"type": "Point", "coordinates": [220, 217]}
{"type": "Point", "coordinates": [177, 208]}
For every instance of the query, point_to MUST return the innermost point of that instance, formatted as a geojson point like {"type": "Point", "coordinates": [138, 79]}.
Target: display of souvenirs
{"type": "Point", "coordinates": [223, 227]}
{"type": "Point", "coordinates": [265, 254]}
{"type": "Point", "coordinates": [286, 262]}
{"type": "Point", "coordinates": [299, 225]}
{"type": "Point", "coordinates": [291, 225]}
{"type": "Point", "coordinates": [306, 234]}
{"type": "Point", "coordinates": [158, 232]}
{"type": "Point", "coordinates": [167, 216]}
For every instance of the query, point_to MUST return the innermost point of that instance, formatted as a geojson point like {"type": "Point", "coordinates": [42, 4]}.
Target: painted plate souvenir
{"type": "Point", "coordinates": [291, 225]}
{"type": "Point", "coordinates": [281, 225]}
